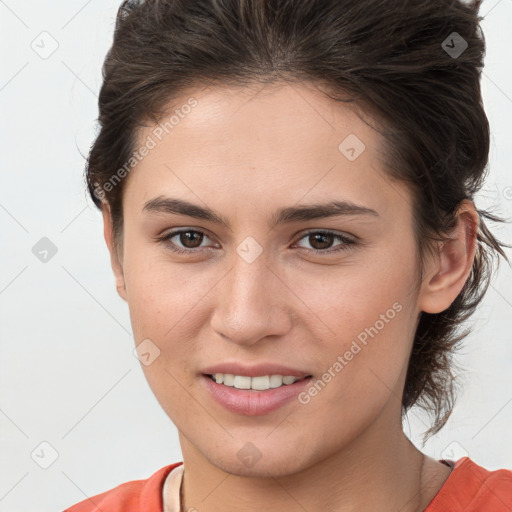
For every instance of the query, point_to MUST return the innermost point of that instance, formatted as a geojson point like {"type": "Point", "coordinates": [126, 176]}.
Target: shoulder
{"type": "Point", "coordinates": [132, 496]}
{"type": "Point", "coordinates": [472, 488]}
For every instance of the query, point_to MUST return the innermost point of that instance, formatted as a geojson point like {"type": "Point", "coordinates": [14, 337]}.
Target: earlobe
{"type": "Point", "coordinates": [450, 270]}
{"type": "Point", "coordinates": [117, 268]}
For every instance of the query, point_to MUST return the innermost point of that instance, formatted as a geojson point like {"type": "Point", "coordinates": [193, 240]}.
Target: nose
{"type": "Point", "coordinates": [252, 303]}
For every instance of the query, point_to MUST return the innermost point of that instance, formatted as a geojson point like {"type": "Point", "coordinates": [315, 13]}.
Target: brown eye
{"type": "Point", "coordinates": [188, 240]}
{"type": "Point", "coordinates": [321, 241]}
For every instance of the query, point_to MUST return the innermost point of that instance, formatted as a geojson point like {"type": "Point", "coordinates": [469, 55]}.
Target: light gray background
{"type": "Point", "coordinates": [68, 374]}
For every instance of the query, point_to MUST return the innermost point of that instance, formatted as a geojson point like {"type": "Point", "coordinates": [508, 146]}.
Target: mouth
{"type": "Point", "coordinates": [255, 383]}
{"type": "Point", "coordinates": [254, 389]}
{"type": "Point", "coordinates": [256, 395]}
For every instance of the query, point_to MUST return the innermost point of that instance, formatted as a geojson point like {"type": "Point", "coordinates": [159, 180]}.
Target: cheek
{"type": "Point", "coordinates": [161, 308]}
{"type": "Point", "coordinates": [346, 300]}
{"type": "Point", "coordinates": [363, 368]}
{"type": "Point", "coordinates": [166, 304]}
{"type": "Point", "coordinates": [161, 293]}
{"type": "Point", "coordinates": [364, 320]}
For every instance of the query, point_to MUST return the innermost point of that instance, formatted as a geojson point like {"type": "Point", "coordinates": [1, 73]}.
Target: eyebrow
{"type": "Point", "coordinates": [286, 215]}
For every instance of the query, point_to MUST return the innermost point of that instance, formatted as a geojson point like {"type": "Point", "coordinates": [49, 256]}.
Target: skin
{"type": "Point", "coordinates": [245, 152]}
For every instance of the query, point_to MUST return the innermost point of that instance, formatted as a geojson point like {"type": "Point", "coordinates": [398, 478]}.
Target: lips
{"type": "Point", "coordinates": [255, 370]}
{"type": "Point", "coordinates": [249, 402]}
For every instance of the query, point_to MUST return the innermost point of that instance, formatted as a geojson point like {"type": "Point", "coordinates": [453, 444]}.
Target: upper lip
{"type": "Point", "coordinates": [254, 370]}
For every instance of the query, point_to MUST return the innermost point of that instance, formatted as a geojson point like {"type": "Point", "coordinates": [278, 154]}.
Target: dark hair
{"type": "Point", "coordinates": [399, 61]}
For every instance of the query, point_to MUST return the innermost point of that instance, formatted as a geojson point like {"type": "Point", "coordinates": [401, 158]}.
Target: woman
{"type": "Point", "coordinates": [287, 193]}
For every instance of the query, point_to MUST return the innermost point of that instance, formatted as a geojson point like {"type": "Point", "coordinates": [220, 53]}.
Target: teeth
{"type": "Point", "coordinates": [229, 380]}
{"type": "Point", "coordinates": [275, 381]}
{"type": "Point", "coordinates": [259, 383]}
{"type": "Point", "coordinates": [242, 382]}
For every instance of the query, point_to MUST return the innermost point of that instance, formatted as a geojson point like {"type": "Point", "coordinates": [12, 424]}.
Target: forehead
{"type": "Point", "coordinates": [257, 113]}
{"type": "Point", "coordinates": [277, 140]}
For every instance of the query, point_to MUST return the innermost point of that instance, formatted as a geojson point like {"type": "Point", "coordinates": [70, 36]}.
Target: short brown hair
{"type": "Point", "coordinates": [392, 57]}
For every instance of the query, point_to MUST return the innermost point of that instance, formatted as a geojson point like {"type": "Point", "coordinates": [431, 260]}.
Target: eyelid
{"type": "Point", "coordinates": [327, 231]}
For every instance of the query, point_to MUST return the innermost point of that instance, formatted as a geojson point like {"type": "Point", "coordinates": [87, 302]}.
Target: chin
{"type": "Point", "coordinates": [260, 465]}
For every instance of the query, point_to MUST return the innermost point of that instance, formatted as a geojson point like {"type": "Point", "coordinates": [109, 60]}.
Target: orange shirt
{"type": "Point", "coordinates": [469, 488]}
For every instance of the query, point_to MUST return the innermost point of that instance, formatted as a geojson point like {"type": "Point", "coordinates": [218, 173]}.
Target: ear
{"type": "Point", "coordinates": [449, 271]}
{"type": "Point", "coordinates": [108, 233]}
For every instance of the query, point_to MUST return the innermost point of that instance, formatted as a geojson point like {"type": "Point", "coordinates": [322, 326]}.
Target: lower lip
{"type": "Point", "coordinates": [252, 402]}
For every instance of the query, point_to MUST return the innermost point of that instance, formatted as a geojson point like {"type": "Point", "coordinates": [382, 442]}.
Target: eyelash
{"type": "Point", "coordinates": [347, 242]}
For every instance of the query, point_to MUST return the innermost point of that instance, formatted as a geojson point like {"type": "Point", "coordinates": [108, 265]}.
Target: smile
{"type": "Point", "coordinates": [258, 383]}
{"type": "Point", "coordinates": [254, 396]}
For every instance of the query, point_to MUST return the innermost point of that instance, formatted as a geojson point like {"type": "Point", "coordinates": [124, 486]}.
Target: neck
{"type": "Point", "coordinates": [376, 472]}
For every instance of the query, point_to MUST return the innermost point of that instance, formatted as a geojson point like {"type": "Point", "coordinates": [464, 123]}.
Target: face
{"type": "Point", "coordinates": [327, 296]}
